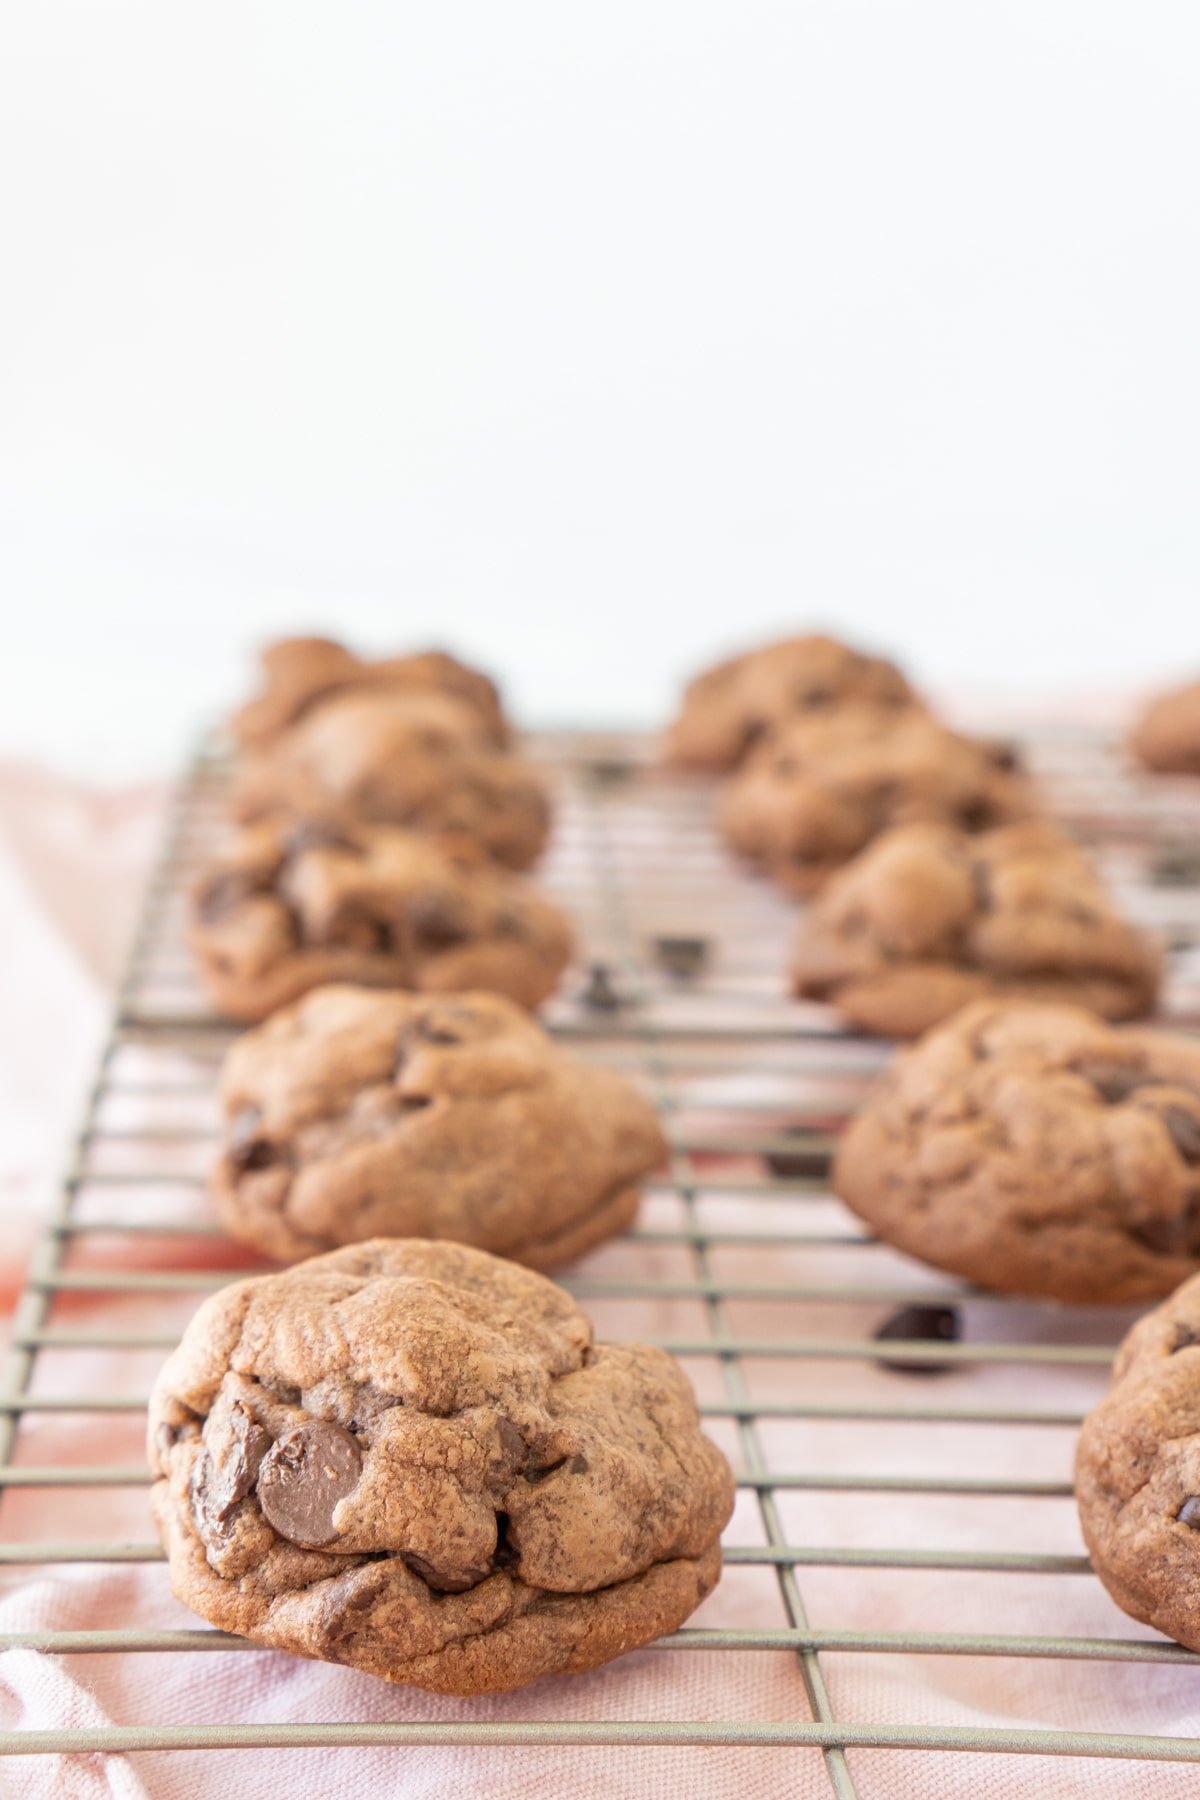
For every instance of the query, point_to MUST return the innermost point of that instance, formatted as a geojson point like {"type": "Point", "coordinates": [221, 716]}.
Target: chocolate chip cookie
{"type": "Point", "coordinates": [817, 790]}
{"type": "Point", "coordinates": [285, 909]}
{"type": "Point", "coordinates": [353, 1115]}
{"type": "Point", "coordinates": [1036, 1150]}
{"type": "Point", "coordinates": [1167, 736]}
{"type": "Point", "coordinates": [391, 757]}
{"type": "Point", "coordinates": [299, 673]}
{"type": "Point", "coordinates": [726, 709]}
{"type": "Point", "coordinates": [928, 917]}
{"type": "Point", "coordinates": [1137, 1471]}
{"type": "Point", "coordinates": [412, 1458]}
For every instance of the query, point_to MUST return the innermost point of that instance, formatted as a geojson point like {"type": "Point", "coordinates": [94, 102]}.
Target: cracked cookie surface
{"type": "Point", "coordinates": [1167, 735]}
{"type": "Point", "coordinates": [726, 709]}
{"type": "Point", "coordinates": [299, 673]}
{"type": "Point", "coordinates": [1035, 1150]}
{"type": "Point", "coordinates": [412, 1458]}
{"type": "Point", "coordinates": [818, 790]}
{"type": "Point", "coordinates": [354, 1115]}
{"type": "Point", "coordinates": [928, 918]}
{"type": "Point", "coordinates": [1137, 1471]}
{"type": "Point", "coordinates": [286, 909]}
{"type": "Point", "coordinates": [391, 757]}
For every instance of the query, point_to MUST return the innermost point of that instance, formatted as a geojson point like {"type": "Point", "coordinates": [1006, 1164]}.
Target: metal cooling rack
{"type": "Point", "coordinates": [680, 985]}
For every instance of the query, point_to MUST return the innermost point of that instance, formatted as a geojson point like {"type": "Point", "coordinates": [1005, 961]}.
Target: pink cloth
{"type": "Point", "coordinates": [69, 865]}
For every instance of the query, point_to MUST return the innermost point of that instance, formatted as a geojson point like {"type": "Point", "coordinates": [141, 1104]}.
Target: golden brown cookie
{"type": "Point", "coordinates": [285, 909]}
{"type": "Point", "coordinates": [726, 709]}
{"type": "Point", "coordinates": [1167, 735]}
{"type": "Point", "coordinates": [396, 757]}
{"type": "Point", "coordinates": [354, 1115]}
{"type": "Point", "coordinates": [1137, 1471]}
{"type": "Point", "coordinates": [928, 918]}
{"type": "Point", "coordinates": [298, 673]}
{"type": "Point", "coordinates": [817, 790]}
{"type": "Point", "coordinates": [1036, 1150]}
{"type": "Point", "coordinates": [412, 1458]}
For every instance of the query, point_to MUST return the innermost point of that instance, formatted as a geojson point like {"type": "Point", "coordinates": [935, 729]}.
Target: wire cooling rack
{"type": "Point", "coordinates": [833, 1435]}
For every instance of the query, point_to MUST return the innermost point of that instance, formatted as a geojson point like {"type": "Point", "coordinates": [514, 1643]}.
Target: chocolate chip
{"type": "Point", "coordinates": [975, 815]}
{"type": "Point", "coordinates": [1112, 1082]}
{"type": "Point", "coordinates": [353, 927]}
{"type": "Point", "coordinates": [225, 1478]}
{"type": "Point", "coordinates": [1006, 757]}
{"type": "Point", "coordinates": [925, 1324]}
{"type": "Point", "coordinates": [438, 920]}
{"type": "Point", "coordinates": [318, 834]}
{"type": "Point", "coordinates": [511, 1441]}
{"type": "Point", "coordinates": [1164, 1237]}
{"type": "Point", "coordinates": [245, 1149]}
{"type": "Point", "coordinates": [444, 1584]}
{"type": "Point", "coordinates": [1189, 1512]}
{"type": "Point", "coordinates": [1184, 1130]}
{"type": "Point", "coordinates": [798, 1164]}
{"type": "Point", "coordinates": [303, 1478]}
{"type": "Point", "coordinates": [578, 1464]}
{"type": "Point", "coordinates": [600, 994]}
{"type": "Point", "coordinates": [817, 697]}
{"type": "Point", "coordinates": [223, 893]}
{"type": "Point", "coordinates": [1185, 1337]}
{"type": "Point", "coordinates": [509, 924]}
{"type": "Point", "coordinates": [683, 957]}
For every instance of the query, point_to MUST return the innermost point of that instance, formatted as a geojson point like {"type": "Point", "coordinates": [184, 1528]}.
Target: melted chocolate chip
{"type": "Point", "coordinates": [1184, 1130]}
{"type": "Point", "coordinates": [1189, 1512]}
{"type": "Point", "coordinates": [443, 1583]}
{"type": "Point", "coordinates": [975, 815]}
{"type": "Point", "coordinates": [224, 892]}
{"type": "Point", "coordinates": [1165, 1237]}
{"type": "Point", "coordinates": [319, 834]}
{"type": "Point", "coordinates": [1112, 1082]}
{"type": "Point", "coordinates": [308, 1471]}
{"type": "Point", "coordinates": [925, 1324]}
{"type": "Point", "coordinates": [438, 921]}
{"type": "Point", "coordinates": [245, 1149]}
{"type": "Point", "coordinates": [223, 1481]}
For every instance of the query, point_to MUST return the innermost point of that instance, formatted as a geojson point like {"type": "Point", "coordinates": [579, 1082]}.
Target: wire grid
{"type": "Point", "coordinates": [753, 1087]}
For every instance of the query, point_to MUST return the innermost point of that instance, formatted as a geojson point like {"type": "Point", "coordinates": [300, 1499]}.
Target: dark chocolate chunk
{"type": "Point", "coordinates": [228, 1471]}
{"type": "Point", "coordinates": [924, 1324]}
{"type": "Point", "coordinates": [1113, 1082]}
{"type": "Point", "coordinates": [600, 994]}
{"type": "Point", "coordinates": [437, 920]}
{"type": "Point", "coordinates": [1184, 1129]}
{"type": "Point", "coordinates": [1189, 1512]}
{"type": "Point", "coordinates": [303, 1478]}
{"type": "Point", "coordinates": [683, 957]}
{"type": "Point", "coordinates": [319, 834]}
{"type": "Point", "coordinates": [244, 1147]}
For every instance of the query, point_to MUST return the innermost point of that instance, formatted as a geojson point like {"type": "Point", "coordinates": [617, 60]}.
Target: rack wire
{"type": "Point", "coordinates": [679, 984]}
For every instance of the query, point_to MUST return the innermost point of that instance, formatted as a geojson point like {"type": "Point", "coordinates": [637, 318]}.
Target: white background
{"type": "Point", "coordinates": [592, 339]}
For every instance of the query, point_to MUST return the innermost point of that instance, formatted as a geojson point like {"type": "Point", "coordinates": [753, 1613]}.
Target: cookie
{"type": "Point", "coordinates": [354, 1115]}
{"type": "Point", "coordinates": [1137, 1471]}
{"type": "Point", "coordinates": [726, 709]}
{"type": "Point", "coordinates": [412, 1458]}
{"type": "Point", "coordinates": [285, 909]}
{"type": "Point", "coordinates": [299, 673]}
{"type": "Point", "coordinates": [396, 757]}
{"type": "Point", "coordinates": [928, 918]}
{"type": "Point", "coordinates": [1035, 1150]}
{"type": "Point", "coordinates": [817, 790]}
{"type": "Point", "coordinates": [1167, 736]}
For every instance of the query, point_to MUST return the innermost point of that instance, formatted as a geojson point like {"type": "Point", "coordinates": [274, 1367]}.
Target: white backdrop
{"type": "Point", "coordinates": [592, 339]}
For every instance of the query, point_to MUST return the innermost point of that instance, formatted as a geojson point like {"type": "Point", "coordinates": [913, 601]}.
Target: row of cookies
{"type": "Point", "coordinates": [934, 877]}
{"type": "Point", "coordinates": [406, 1452]}
{"type": "Point", "coordinates": [1028, 1146]}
